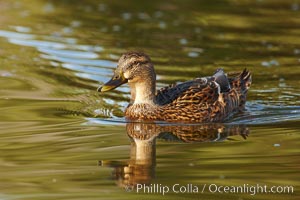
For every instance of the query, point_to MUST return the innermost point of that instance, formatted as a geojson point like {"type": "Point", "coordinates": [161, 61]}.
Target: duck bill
{"type": "Point", "coordinates": [112, 84]}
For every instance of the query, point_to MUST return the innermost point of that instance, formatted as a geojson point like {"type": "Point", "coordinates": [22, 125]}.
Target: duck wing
{"type": "Point", "coordinates": [201, 102]}
{"type": "Point", "coordinates": [197, 89]}
{"type": "Point", "coordinates": [207, 99]}
{"type": "Point", "coordinates": [168, 94]}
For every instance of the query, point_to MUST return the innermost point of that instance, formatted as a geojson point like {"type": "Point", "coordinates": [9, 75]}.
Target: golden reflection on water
{"type": "Point", "coordinates": [140, 169]}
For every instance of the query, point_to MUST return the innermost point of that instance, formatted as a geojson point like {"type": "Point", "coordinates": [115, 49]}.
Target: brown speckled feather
{"type": "Point", "coordinates": [207, 99]}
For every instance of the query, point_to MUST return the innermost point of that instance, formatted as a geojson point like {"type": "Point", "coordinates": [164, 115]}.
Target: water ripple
{"type": "Point", "coordinates": [11, 34]}
{"type": "Point", "coordinates": [100, 63]}
{"type": "Point", "coordinates": [37, 43]}
{"type": "Point", "coordinates": [69, 53]}
{"type": "Point", "coordinates": [258, 114]}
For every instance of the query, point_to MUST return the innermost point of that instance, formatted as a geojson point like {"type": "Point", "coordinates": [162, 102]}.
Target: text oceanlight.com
{"type": "Point", "coordinates": [211, 188]}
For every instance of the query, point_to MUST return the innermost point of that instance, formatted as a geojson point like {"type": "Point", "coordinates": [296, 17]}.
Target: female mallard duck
{"type": "Point", "coordinates": [208, 99]}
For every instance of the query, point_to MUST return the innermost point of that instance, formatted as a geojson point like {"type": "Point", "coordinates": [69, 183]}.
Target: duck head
{"type": "Point", "coordinates": [136, 69]}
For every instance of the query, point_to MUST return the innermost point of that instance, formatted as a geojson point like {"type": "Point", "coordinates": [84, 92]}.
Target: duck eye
{"type": "Point", "coordinates": [116, 77]}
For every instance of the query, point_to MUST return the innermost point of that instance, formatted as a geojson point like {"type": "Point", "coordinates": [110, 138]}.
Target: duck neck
{"type": "Point", "coordinates": [143, 93]}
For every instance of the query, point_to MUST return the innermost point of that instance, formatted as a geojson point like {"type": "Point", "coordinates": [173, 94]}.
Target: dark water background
{"type": "Point", "coordinates": [60, 139]}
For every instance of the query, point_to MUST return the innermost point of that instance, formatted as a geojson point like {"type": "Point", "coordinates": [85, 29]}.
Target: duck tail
{"type": "Point", "coordinates": [241, 82]}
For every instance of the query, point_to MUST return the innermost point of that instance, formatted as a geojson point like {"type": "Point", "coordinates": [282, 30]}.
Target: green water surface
{"type": "Point", "coordinates": [60, 139]}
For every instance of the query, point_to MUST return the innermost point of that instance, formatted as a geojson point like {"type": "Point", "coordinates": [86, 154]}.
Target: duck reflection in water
{"type": "Point", "coordinates": [140, 169]}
